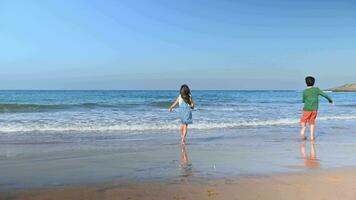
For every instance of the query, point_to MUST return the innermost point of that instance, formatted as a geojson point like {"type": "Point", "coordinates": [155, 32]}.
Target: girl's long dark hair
{"type": "Point", "coordinates": [185, 93]}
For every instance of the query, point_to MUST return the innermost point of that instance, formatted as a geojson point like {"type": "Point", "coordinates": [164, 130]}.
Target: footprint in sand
{"type": "Point", "coordinates": [212, 192]}
{"type": "Point", "coordinates": [178, 198]}
{"type": "Point", "coordinates": [229, 181]}
{"type": "Point", "coordinates": [335, 179]}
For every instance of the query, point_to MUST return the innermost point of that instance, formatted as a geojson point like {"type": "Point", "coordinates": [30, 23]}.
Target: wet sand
{"type": "Point", "coordinates": [268, 163]}
{"type": "Point", "coordinates": [323, 184]}
{"type": "Point", "coordinates": [160, 157]}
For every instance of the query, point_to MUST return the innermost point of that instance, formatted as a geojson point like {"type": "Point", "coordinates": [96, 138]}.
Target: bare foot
{"type": "Point", "coordinates": [312, 138]}
{"type": "Point", "coordinates": [303, 137]}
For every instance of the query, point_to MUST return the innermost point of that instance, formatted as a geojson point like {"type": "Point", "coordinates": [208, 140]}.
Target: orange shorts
{"type": "Point", "coordinates": [309, 116]}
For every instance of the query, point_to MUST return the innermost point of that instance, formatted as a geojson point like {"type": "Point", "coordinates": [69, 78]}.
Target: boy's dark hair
{"type": "Point", "coordinates": [309, 80]}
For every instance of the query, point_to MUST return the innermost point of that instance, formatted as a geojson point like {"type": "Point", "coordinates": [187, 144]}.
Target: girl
{"type": "Point", "coordinates": [186, 105]}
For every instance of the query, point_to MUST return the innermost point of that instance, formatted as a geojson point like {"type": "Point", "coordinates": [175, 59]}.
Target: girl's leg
{"type": "Point", "coordinates": [184, 133]}
{"type": "Point", "coordinates": [181, 131]}
{"type": "Point", "coordinates": [184, 154]}
{"type": "Point", "coordinates": [302, 131]}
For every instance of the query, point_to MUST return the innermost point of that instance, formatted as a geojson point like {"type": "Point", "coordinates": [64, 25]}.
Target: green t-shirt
{"type": "Point", "coordinates": [311, 98]}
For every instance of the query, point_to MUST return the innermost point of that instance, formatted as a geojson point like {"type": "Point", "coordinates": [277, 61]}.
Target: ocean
{"type": "Point", "coordinates": [55, 138]}
{"type": "Point", "coordinates": [130, 112]}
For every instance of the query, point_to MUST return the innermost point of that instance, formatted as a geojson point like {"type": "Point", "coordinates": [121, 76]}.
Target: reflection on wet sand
{"type": "Point", "coordinates": [310, 162]}
{"type": "Point", "coordinates": [185, 166]}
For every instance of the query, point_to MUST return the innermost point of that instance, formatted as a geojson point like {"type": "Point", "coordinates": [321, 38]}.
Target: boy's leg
{"type": "Point", "coordinates": [303, 122]}
{"type": "Point", "coordinates": [312, 125]}
{"type": "Point", "coordinates": [302, 150]}
{"type": "Point", "coordinates": [302, 131]}
{"type": "Point", "coordinates": [312, 151]}
{"type": "Point", "coordinates": [312, 128]}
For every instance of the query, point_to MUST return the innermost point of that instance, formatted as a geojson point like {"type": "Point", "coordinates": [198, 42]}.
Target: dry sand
{"type": "Point", "coordinates": [328, 184]}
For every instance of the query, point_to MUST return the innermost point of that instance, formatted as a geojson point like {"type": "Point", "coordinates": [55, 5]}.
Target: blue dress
{"type": "Point", "coordinates": [185, 112]}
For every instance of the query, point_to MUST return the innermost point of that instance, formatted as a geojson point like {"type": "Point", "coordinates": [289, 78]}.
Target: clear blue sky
{"type": "Point", "coordinates": [159, 44]}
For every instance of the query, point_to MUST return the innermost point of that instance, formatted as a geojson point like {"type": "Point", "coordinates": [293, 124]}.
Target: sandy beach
{"type": "Point", "coordinates": [236, 169]}
{"type": "Point", "coordinates": [326, 184]}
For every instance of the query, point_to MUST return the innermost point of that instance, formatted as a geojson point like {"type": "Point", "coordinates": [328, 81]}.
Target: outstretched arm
{"type": "Point", "coordinates": [321, 93]}
{"type": "Point", "coordinates": [175, 103]}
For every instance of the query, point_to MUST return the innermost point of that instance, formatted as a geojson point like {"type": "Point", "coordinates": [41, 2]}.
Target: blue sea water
{"type": "Point", "coordinates": [139, 111]}
{"type": "Point", "coordinates": [54, 138]}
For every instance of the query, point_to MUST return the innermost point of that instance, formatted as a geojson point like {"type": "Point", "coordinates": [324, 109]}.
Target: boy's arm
{"type": "Point", "coordinates": [321, 93]}
{"type": "Point", "coordinates": [173, 105]}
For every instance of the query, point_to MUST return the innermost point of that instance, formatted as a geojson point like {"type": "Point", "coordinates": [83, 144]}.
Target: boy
{"type": "Point", "coordinates": [311, 104]}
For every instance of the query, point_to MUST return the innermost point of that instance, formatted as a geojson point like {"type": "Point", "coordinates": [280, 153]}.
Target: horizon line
{"type": "Point", "coordinates": [148, 89]}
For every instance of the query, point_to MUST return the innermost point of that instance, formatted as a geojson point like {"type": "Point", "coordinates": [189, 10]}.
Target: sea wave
{"type": "Point", "coordinates": [347, 105]}
{"type": "Point", "coordinates": [154, 126]}
{"type": "Point", "coordinates": [14, 108]}
{"type": "Point", "coordinates": [26, 108]}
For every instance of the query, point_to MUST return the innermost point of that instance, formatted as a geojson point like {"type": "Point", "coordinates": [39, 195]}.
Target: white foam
{"type": "Point", "coordinates": [154, 126]}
